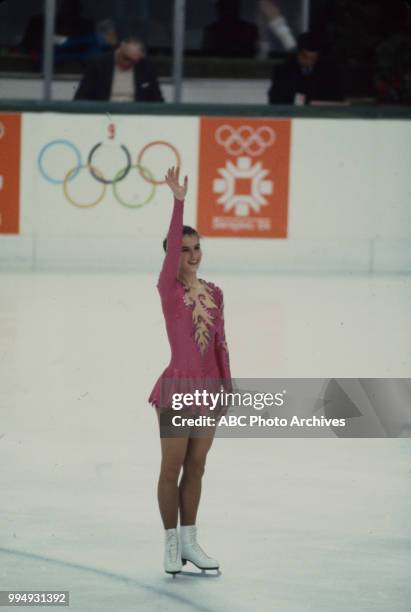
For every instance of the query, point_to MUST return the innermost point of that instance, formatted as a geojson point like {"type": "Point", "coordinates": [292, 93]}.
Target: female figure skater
{"type": "Point", "coordinates": [193, 312]}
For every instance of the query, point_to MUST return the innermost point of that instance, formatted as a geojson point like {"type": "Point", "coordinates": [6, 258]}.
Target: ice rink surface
{"type": "Point", "coordinates": [298, 525]}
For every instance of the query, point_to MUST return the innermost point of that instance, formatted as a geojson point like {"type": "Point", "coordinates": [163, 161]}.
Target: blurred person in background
{"type": "Point", "coordinates": [392, 76]}
{"type": "Point", "coordinates": [230, 36]}
{"type": "Point", "coordinates": [32, 39]}
{"type": "Point", "coordinates": [371, 41]}
{"type": "Point", "coordinates": [101, 40]}
{"type": "Point", "coordinates": [124, 75]}
{"type": "Point", "coordinates": [305, 77]}
{"type": "Point", "coordinates": [75, 37]}
{"type": "Point", "coordinates": [271, 18]}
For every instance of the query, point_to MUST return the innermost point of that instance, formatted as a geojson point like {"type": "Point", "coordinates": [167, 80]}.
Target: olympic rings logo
{"type": "Point", "coordinates": [245, 139]}
{"type": "Point", "coordinates": [97, 174]}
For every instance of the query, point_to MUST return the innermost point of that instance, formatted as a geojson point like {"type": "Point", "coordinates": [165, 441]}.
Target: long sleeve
{"type": "Point", "coordinates": [87, 87]}
{"type": "Point", "coordinates": [279, 26]}
{"type": "Point", "coordinates": [281, 90]}
{"type": "Point", "coordinates": [168, 274]}
{"type": "Point", "coordinates": [221, 349]}
{"type": "Point", "coordinates": [154, 91]}
{"type": "Point", "coordinates": [147, 87]}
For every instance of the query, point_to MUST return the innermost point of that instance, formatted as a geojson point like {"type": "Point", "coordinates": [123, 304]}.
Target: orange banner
{"type": "Point", "coordinates": [10, 129]}
{"type": "Point", "coordinates": [243, 177]}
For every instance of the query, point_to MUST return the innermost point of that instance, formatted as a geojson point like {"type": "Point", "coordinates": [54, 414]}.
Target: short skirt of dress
{"type": "Point", "coordinates": [173, 389]}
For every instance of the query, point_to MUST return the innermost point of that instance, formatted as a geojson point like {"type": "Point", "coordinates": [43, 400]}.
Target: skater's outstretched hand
{"type": "Point", "coordinates": [172, 178]}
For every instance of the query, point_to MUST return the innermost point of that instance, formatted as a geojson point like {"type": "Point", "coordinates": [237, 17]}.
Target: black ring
{"type": "Point", "coordinates": [107, 181]}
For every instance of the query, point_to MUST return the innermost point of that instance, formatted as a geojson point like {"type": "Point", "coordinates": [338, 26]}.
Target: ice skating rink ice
{"type": "Point", "coordinates": [297, 524]}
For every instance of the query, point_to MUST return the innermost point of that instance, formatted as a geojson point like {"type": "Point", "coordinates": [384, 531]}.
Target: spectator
{"type": "Point", "coordinates": [107, 32]}
{"type": "Point", "coordinates": [230, 36]}
{"type": "Point", "coordinates": [33, 38]}
{"type": "Point", "coordinates": [305, 77]}
{"type": "Point", "coordinates": [124, 75]}
{"type": "Point", "coordinates": [74, 36]}
{"type": "Point", "coordinates": [102, 40]}
{"type": "Point", "coordinates": [393, 56]}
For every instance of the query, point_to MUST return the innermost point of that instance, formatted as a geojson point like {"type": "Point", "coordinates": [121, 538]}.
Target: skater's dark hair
{"type": "Point", "coordinates": [187, 231]}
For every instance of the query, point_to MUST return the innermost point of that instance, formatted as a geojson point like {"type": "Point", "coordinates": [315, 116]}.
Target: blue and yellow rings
{"type": "Point", "coordinates": [75, 171]}
{"type": "Point", "coordinates": [66, 143]}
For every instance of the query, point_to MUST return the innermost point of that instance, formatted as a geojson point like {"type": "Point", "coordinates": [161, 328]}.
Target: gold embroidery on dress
{"type": "Point", "coordinates": [202, 319]}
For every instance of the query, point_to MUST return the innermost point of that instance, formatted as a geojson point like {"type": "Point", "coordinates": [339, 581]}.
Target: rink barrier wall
{"type": "Point", "coordinates": [194, 109]}
{"type": "Point", "coordinates": [348, 208]}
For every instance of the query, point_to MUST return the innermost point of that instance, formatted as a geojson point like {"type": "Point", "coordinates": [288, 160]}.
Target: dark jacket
{"type": "Point", "coordinates": [98, 78]}
{"type": "Point", "coordinates": [288, 79]}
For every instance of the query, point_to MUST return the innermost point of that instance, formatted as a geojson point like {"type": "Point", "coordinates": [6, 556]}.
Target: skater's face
{"type": "Point", "coordinates": [190, 254]}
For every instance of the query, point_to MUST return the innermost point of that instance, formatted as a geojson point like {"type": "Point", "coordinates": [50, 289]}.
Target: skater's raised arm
{"type": "Point", "coordinates": [168, 274]}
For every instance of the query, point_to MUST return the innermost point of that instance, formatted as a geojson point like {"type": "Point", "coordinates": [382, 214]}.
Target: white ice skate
{"type": "Point", "coordinates": [192, 551]}
{"type": "Point", "coordinates": [172, 552]}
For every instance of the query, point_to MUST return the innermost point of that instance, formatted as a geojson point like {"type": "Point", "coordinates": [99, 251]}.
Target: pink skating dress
{"type": "Point", "coordinates": [195, 328]}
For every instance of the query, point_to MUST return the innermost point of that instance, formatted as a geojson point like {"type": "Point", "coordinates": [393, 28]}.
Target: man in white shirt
{"type": "Point", "coordinates": [126, 56]}
{"type": "Point", "coordinates": [124, 75]}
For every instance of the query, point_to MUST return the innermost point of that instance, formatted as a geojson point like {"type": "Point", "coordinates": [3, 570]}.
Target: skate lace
{"type": "Point", "coordinates": [172, 547]}
{"type": "Point", "coordinates": [196, 546]}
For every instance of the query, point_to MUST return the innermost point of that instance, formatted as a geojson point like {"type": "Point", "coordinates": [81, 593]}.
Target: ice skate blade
{"type": "Point", "coordinates": [174, 574]}
{"type": "Point", "coordinates": [203, 571]}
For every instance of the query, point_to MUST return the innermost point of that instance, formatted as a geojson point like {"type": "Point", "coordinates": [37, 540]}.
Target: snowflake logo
{"type": "Point", "coordinates": [242, 186]}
